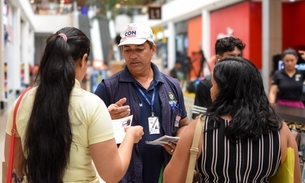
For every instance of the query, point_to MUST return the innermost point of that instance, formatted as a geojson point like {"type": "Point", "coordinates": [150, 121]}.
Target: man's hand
{"type": "Point", "coordinates": [117, 110]}
{"type": "Point", "coordinates": [302, 53]}
{"type": "Point", "coordinates": [170, 147]}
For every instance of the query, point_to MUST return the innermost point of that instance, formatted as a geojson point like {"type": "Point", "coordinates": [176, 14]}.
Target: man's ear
{"type": "Point", "coordinates": [218, 57]}
{"type": "Point", "coordinates": [154, 48]}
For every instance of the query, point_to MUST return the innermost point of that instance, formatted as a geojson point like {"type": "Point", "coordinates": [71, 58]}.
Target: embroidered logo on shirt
{"type": "Point", "coordinates": [172, 101]}
{"type": "Point", "coordinates": [297, 77]}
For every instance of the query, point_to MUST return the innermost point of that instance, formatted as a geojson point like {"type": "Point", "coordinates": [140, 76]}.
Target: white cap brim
{"type": "Point", "coordinates": [136, 41]}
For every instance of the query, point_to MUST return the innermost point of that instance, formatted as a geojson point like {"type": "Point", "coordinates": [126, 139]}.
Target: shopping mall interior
{"type": "Point", "coordinates": [182, 28]}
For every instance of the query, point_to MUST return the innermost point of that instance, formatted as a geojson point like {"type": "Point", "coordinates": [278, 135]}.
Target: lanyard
{"type": "Point", "coordinates": [146, 98]}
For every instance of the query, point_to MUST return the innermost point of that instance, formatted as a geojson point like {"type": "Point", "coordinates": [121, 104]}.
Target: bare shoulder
{"type": "Point", "coordinates": [284, 129]}
{"type": "Point", "coordinates": [287, 140]}
{"type": "Point", "coordinates": [188, 132]}
{"type": "Point", "coordinates": [285, 135]}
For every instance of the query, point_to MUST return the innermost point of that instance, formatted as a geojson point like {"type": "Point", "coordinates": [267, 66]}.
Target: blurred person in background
{"type": "Point", "coordinates": [287, 84]}
{"type": "Point", "coordinates": [302, 53]}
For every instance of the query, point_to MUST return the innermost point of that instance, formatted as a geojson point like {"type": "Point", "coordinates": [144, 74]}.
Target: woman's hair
{"type": "Point", "coordinates": [48, 137]}
{"type": "Point", "coordinates": [242, 95]}
{"type": "Point", "coordinates": [290, 51]}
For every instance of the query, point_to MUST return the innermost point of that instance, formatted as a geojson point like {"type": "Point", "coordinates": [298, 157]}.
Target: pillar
{"type": "Point", "coordinates": [171, 45]}
{"type": "Point", "coordinates": [206, 27]}
{"type": "Point", "coordinates": [2, 99]}
{"type": "Point", "coordinates": [272, 36]}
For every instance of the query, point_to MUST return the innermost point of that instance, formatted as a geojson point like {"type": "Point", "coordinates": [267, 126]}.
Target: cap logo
{"type": "Point", "coordinates": [131, 31]}
{"type": "Point", "coordinates": [136, 34]}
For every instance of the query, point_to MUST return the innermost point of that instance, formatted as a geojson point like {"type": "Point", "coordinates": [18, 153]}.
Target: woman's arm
{"type": "Point", "coordinates": [272, 93]}
{"type": "Point", "coordinates": [297, 172]}
{"type": "Point", "coordinates": [18, 154]}
{"type": "Point", "coordinates": [288, 140]}
{"type": "Point", "coordinates": [112, 162]}
{"type": "Point", "coordinates": [302, 53]}
{"type": "Point", "coordinates": [176, 169]}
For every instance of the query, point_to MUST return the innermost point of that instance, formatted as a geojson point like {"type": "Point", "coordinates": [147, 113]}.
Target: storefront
{"type": "Point", "coordinates": [17, 50]}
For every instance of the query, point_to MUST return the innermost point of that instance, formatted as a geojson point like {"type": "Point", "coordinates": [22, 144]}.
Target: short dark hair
{"type": "Point", "coordinates": [289, 51]}
{"type": "Point", "coordinates": [225, 44]}
{"type": "Point", "coordinates": [151, 44]}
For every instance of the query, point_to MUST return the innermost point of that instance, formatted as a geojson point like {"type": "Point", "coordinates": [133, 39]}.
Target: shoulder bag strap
{"type": "Point", "coordinates": [194, 149]}
{"type": "Point", "coordinates": [13, 135]}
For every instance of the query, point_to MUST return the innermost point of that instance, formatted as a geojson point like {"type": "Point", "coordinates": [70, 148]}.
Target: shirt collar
{"type": "Point", "coordinates": [77, 84]}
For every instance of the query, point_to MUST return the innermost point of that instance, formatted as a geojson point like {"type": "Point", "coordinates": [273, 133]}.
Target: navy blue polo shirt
{"type": "Point", "coordinates": [289, 88]}
{"type": "Point", "coordinates": [152, 157]}
{"type": "Point", "coordinates": [152, 154]}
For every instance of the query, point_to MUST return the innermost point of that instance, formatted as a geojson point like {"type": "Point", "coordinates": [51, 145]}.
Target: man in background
{"type": "Point", "coordinates": [227, 46]}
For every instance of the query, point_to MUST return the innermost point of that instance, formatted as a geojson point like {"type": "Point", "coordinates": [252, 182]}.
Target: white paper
{"type": "Point", "coordinates": [163, 140]}
{"type": "Point", "coordinates": [118, 127]}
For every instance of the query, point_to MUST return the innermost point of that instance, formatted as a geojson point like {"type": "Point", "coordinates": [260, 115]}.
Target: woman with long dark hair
{"type": "Point", "coordinates": [243, 139]}
{"type": "Point", "coordinates": [62, 127]}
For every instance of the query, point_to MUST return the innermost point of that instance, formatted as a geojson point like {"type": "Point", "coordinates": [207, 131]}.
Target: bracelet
{"type": "Point", "coordinates": [16, 179]}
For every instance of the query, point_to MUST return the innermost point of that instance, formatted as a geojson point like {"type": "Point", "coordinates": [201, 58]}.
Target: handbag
{"type": "Point", "coordinates": [194, 149]}
{"type": "Point", "coordinates": [285, 172]}
{"type": "Point", "coordinates": [13, 136]}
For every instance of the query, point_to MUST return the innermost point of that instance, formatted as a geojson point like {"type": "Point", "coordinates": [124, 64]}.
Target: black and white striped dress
{"type": "Point", "coordinates": [243, 161]}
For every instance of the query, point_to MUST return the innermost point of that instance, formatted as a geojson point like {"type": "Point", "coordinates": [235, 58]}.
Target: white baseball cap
{"type": "Point", "coordinates": [136, 34]}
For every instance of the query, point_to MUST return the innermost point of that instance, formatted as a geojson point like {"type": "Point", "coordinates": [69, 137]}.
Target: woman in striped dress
{"type": "Point", "coordinates": [243, 140]}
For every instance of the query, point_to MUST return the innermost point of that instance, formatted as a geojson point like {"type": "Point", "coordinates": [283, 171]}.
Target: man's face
{"type": "Point", "coordinates": [138, 57]}
{"type": "Point", "coordinates": [235, 53]}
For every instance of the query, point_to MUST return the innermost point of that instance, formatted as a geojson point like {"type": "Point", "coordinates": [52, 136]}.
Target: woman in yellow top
{"type": "Point", "coordinates": [62, 127]}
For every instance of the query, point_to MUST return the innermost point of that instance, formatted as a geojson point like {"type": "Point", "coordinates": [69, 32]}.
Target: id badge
{"type": "Point", "coordinates": [154, 125]}
{"type": "Point", "coordinates": [177, 121]}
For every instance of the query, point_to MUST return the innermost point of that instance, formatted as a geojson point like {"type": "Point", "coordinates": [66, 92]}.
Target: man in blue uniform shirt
{"type": "Point", "coordinates": [154, 99]}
